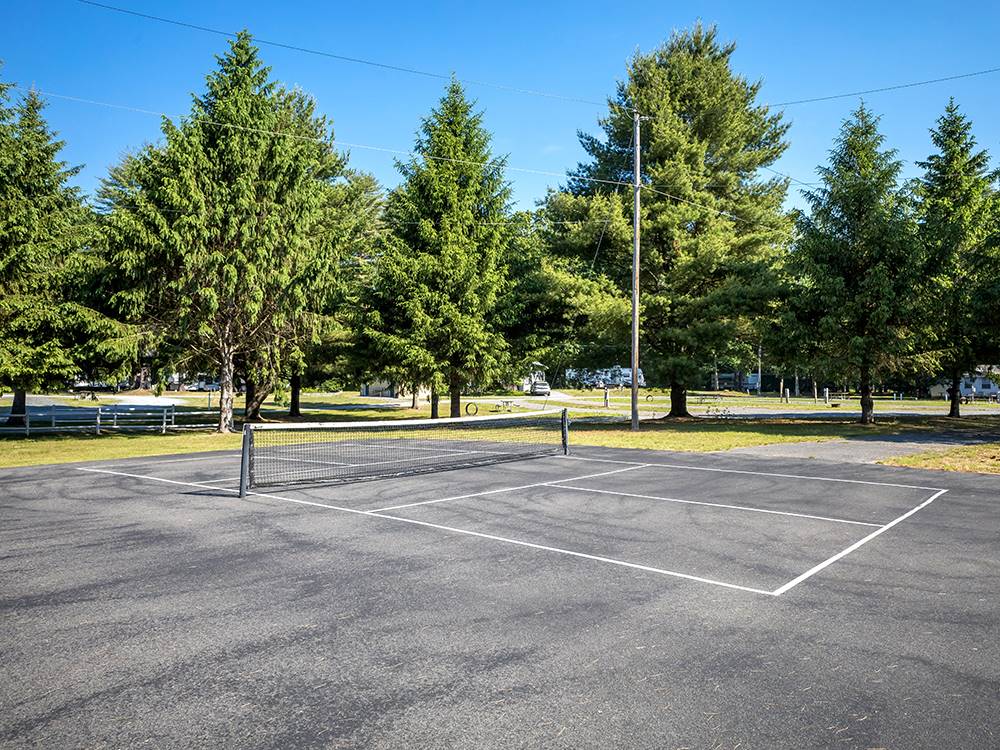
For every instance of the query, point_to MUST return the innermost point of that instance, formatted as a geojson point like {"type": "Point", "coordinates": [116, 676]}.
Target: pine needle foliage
{"type": "Point", "coordinates": [439, 274]}
{"type": "Point", "coordinates": [48, 331]}
{"type": "Point", "coordinates": [710, 223]}
{"type": "Point", "coordinates": [221, 232]}
{"type": "Point", "coordinates": [859, 268]}
{"type": "Point", "coordinates": [955, 200]}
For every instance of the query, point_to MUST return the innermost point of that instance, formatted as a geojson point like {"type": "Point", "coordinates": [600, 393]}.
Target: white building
{"type": "Point", "coordinates": [611, 376]}
{"type": "Point", "coordinates": [972, 384]}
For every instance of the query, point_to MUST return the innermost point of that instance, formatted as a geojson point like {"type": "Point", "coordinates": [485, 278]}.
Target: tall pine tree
{"type": "Point", "coordinates": [440, 273]}
{"type": "Point", "coordinates": [48, 331]}
{"type": "Point", "coordinates": [954, 201]}
{"type": "Point", "coordinates": [858, 263]}
{"type": "Point", "coordinates": [710, 223]}
{"type": "Point", "coordinates": [218, 232]}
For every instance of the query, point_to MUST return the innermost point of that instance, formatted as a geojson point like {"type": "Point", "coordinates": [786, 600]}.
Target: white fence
{"type": "Point", "coordinates": [97, 419]}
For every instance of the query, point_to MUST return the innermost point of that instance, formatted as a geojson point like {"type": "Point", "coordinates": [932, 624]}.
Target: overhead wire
{"type": "Point", "coordinates": [335, 141]}
{"type": "Point", "coordinates": [883, 89]}
{"type": "Point", "coordinates": [344, 58]}
{"type": "Point", "coordinates": [504, 87]}
{"type": "Point", "coordinates": [348, 144]}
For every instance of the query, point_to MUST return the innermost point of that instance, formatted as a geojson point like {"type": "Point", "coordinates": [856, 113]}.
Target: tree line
{"type": "Point", "coordinates": [242, 243]}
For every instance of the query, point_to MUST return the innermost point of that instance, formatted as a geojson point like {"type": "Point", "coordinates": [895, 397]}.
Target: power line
{"type": "Point", "coordinates": [718, 211]}
{"type": "Point", "coordinates": [885, 88]}
{"type": "Point", "coordinates": [262, 131]}
{"type": "Point", "coordinates": [337, 142]}
{"type": "Point", "coordinates": [789, 177]}
{"type": "Point", "coordinates": [345, 58]}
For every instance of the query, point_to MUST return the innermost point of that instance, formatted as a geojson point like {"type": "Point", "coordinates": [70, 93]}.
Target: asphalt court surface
{"type": "Point", "coordinates": [779, 603]}
{"type": "Point", "coordinates": [757, 530]}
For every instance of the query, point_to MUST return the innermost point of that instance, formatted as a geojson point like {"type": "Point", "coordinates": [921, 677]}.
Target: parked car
{"type": "Point", "coordinates": [540, 388]}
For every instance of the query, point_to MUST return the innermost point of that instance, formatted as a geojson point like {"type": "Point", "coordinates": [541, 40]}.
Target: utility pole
{"type": "Point", "coordinates": [635, 278]}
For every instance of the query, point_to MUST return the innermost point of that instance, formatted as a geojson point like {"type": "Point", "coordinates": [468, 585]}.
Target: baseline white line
{"type": "Point", "coordinates": [264, 458]}
{"type": "Point", "coordinates": [455, 530]}
{"type": "Point", "coordinates": [139, 462]}
{"type": "Point", "coordinates": [572, 553]}
{"type": "Point", "coordinates": [816, 569]}
{"type": "Point", "coordinates": [753, 473]}
{"type": "Point", "coordinates": [715, 505]}
{"type": "Point", "coordinates": [204, 486]}
{"type": "Point", "coordinates": [306, 447]}
{"type": "Point", "coordinates": [503, 489]}
{"type": "Point", "coordinates": [223, 479]}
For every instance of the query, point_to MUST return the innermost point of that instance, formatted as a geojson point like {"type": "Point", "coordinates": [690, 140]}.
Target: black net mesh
{"type": "Point", "coordinates": [353, 451]}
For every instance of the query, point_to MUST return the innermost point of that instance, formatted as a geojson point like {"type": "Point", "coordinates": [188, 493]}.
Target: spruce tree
{"type": "Point", "coordinates": [710, 223]}
{"type": "Point", "coordinates": [858, 263]}
{"type": "Point", "coordinates": [217, 232]}
{"type": "Point", "coordinates": [440, 272]}
{"type": "Point", "coordinates": [48, 331]}
{"type": "Point", "coordinates": [954, 198]}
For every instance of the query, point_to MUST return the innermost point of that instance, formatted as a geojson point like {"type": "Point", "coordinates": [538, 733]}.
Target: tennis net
{"type": "Point", "coordinates": [278, 454]}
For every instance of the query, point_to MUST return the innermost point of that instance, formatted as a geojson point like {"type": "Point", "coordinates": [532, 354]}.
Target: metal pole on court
{"type": "Point", "coordinates": [635, 278]}
{"type": "Point", "coordinates": [565, 431]}
{"type": "Point", "coordinates": [245, 460]}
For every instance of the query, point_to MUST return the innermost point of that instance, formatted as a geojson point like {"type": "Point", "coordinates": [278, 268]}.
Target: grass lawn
{"type": "Point", "coordinates": [696, 434]}
{"type": "Point", "coordinates": [713, 435]}
{"type": "Point", "coordinates": [700, 434]}
{"type": "Point", "coordinates": [61, 449]}
{"type": "Point", "coordinates": [981, 459]}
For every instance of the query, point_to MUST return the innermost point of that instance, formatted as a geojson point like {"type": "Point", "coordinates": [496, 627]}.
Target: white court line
{"type": "Point", "coordinates": [264, 458]}
{"type": "Point", "coordinates": [712, 505]}
{"type": "Point", "coordinates": [364, 446]}
{"type": "Point", "coordinates": [816, 569]}
{"type": "Point", "coordinates": [504, 489]}
{"type": "Point", "coordinates": [572, 553]}
{"type": "Point", "coordinates": [229, 454]}
{"type": "Point", "coordinates": [754, 473]}
{"type": "Point", "coordinates": [455, 530]}
{"type": "Point", "coordinates": [223, 479]}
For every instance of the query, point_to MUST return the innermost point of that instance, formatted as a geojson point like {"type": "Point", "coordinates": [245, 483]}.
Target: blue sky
{"type": "Point", "coordinates": [577, 49]}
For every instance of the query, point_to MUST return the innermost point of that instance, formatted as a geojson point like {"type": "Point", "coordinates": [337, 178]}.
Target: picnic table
{"type": "Point", "coordinates": [505, 404]}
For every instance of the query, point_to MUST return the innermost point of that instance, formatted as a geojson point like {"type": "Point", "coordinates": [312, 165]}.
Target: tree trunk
{"type": "Point", "coordinates": [797, 383]}
{"type": "Point", "coordinates": [678, 400]}
{"type": "Point", "coordinates": [415, 399]}
{"type": "Point", "coordinates": [226, 392]}
{"type": "Point", "coordinates": [294, 409]}
{"type": "Point", "coordinates": [815, 392]}
{"type": "Point", "coordinates": [435, 399]}
{"type": "Point", "coordinates": [455, 392]}
{"type": "Point", "coordinates": [257, 394]}
{"type": "Point", "coordinates": [956, 394]}
{"type": "Point", "coordinates": [250, 399]}
{"type": "Point", "coordinates": [18, 408]}
{"type": "Point", "coordinates": [867, 402]}
{"type": "Point", "coordinates": [781, 389]}
{"type": "Point", "coordinates": [715, 374]}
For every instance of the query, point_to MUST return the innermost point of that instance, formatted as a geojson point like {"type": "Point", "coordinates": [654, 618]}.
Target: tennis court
{"type": "Point", "coordinates": [601, 598]}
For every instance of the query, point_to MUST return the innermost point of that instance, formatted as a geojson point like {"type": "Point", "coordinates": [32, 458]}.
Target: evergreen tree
{"type": "Point", "coordinates": [954, 197]}
{"type": "Point", "coordinates": [429, 317]}
{"type": "Point", "coordinates": [857, 259]}
{"type": "Point", "coordinates": [710, 224]}
{"type": "Point", "coordinates": [218, 233]}
{"type": "Point", "coordinates": [48, 333]}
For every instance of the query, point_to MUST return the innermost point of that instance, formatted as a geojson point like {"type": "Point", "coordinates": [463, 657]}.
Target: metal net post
{"type": "Point", "coordinates": [564, 419]}
{"type": "Point", "coordinates": [245, 459]}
